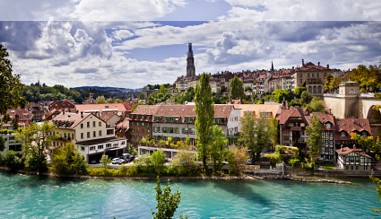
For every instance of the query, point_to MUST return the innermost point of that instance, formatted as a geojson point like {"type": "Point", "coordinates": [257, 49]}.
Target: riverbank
{"type": "Point", "coordinates": [246, 177]}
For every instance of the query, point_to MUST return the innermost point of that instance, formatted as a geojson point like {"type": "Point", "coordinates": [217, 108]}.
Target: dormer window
{"type": "Point", "coordinates": [328, 125]}
{"type": "Point", "coordinates": [343, 134]}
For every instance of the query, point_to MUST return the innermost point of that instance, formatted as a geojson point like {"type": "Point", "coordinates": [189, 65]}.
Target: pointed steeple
{"type": "Point", "coordinates": [272, 67]}
{"type": "Point", "coordinates": [191, 69]}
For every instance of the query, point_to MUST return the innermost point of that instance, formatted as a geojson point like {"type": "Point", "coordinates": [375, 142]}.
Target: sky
{"type": "Point", "coordinates": [130, 44]}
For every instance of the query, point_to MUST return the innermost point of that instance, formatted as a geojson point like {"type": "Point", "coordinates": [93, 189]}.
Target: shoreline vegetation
{"type": "Point", "coordinates": [326, 179]}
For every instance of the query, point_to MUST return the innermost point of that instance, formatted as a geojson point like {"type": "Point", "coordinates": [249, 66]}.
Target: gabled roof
{"type": "Point", "coordinates": [69, 120]}
{"type": "Point", "coordinates": [346, 150]}
{"type": "Point", "coordinates": [286, 114]}
{"type": "Point", "coordinates": [105, 116]}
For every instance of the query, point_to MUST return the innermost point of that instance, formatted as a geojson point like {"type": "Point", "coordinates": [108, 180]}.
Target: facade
{"type": "Point", "coordinates": [140, 123]}
{"type": "Point", "coordinates": [344, 128]}
{"type": "Point", "coordinates": [91, 135]}
{"type": "Point", "coordinates": [10, 142]}
{"type": "Point", "coordinates": [353, 159]}
{"type": "Point", "coordinates": [63, 105]}
{"type": "Point", "coordinates": [177, 122]}
{"type": "Point", "coordinates": [312, 76]}
{"type": "Point", "coordinates": [292, 128]}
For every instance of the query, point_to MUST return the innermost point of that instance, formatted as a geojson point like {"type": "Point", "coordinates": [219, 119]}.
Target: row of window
{"type": "Point", "coordinates": [173, 130]}
{"type": "Point", "coordinates": [94, 124]}
{"type": "Point", "coordinates": [94, 135]}
{"type": "Point", "coordinates": [101, 146]}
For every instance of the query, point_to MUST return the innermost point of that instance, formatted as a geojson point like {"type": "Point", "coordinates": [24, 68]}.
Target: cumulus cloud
{"type": "Point", "coordinates": [122, 34]}
{"type": "Point", "coordinates": [300, 10]}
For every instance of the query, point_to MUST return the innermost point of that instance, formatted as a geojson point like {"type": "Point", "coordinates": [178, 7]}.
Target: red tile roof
{"type": "Point", "coordinates": [119, 107]}
{"type": "Point", "coordinates": [145, 110]}
{"type": "Point", "coordinates": [346, 150]}
{"type": "Point", "coordinates": [286, 114]}
{"type": "Point", "coordinates": [351, 125]}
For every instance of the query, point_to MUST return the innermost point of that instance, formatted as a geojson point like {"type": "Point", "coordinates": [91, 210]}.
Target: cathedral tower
{"type": "Point", "coordinates": [191, 70]}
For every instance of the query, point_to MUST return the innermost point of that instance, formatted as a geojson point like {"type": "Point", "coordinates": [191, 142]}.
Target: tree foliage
{"type": "Point", "coordinates": [157, 161]}
{"type": "Point", "coordinates": [10, 85]}
{"type": "Point", "coordinates": [315, 105]}
{"type": "Point", "coordinates": [184, 164]}
{"type": "Point", "coordinates": [236, 89]}
{"type": "Point", "coordinates": [377, 181]}
{"type": "Point", "coordinates": [369, 78]}
{"type": "Point", "coordinates": [105, 160]}
{"type": "Point", "coordinates": [36, 138]}
{"type": "Point", "coordinates": [204, 108]}
{"type": "Point", "coordinates": [313, 140]}
{"type": "Point", "coordinates": [67, 161]}
{"type": "Point", "coordinates": [167, 202]}
{"type": "Point", "coordinates": [12, 160]}
{"type": "Point", "coordinates": [2, 144]}
{"type": "Point", "coordinates": [257, 134]}
{"type": "Point", "coordinates": [218, 147]}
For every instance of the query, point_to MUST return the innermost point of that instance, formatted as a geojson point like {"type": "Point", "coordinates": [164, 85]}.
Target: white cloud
{"type": "Point", "coordinates": [122, 34]}
{"type": "Point", "coordinates": [301, 10]}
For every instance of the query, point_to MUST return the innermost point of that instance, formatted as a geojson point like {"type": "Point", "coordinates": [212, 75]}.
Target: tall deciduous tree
{"type": "Point", "coordinates": [10, 85]}
{"type": "Point", "coordinates": [36, 138]}
{"type": "Point", "coordinates": [313, 140]}
{"type": "Point", "coordinates": [204, 116]}
{"type": "Point", "coordinates": [236, 88]}
{"type": "Point", "coordinates": [167, 202]}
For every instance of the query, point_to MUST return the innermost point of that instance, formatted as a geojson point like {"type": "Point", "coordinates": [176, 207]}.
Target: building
{"type": "Point", "coordinates": [10, 142]}
{"type": "Point", "coordinates": [353, 159]}
{"type": "Point", "coordinates": [22, 116]}
{"type": "Point", "coordinates": [91, 135]}
{"type": "Point", "coordinates": [63, 105]}
{"type": "Point", "coordinates": [312, 76]}
{"type": "Point", "coordinates": [270, 110]}
{"type": "Point", "coordinates": [141, 122]}
{"type": "Point", "coordinates": [177, 122]}
{"type": "Point", "coordinates": [344, 128]}
{"type": "Point", "coordinates": [191, 69]}
{"type": "Point", "coordinates": [292, 128]}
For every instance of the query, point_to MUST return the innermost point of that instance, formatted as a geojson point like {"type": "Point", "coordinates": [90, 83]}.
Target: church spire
{"type": "Point", "coordinates": [272, 67]}
{"type": "Point", "coordinates": [191, 70]}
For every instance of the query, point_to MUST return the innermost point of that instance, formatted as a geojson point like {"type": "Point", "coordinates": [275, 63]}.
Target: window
{"type": "Point", "coordinates": [100, 133]}
{"type": "Point", "coordinates": [115, 145]}
{"type": "Point", "coordinates": [108, 145]}
{"type": "Point", "coordinates": [82, 148]}
{"type": "Point", "coordinates": [100, 146]}
{"type": "Point", "coordinates": [94, 134]}
{"type": "Point", "coordinates": [88, 134]}
{"type": "Point", "coordinates": [93, 123]}
{"type": "Point", "coordinates": [328, 125]}
{"type": "Point", "coordinates": [110, 131]}
{"type": "Point", "coordinates": [92, 148]}
{"type": "Point", "coordinates": [99, 124]}
{"type": "Point", "coordinates": [88, 124]}
{"type": "Point", "coordinates": [81, 125]}
{"type": "Point", "coordinates": [81, 135]}
{"type": "Point", "coordinates": [123, 143]}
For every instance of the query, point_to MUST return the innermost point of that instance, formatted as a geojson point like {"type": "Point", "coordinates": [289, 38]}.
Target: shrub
{"type": "Point", "coordinates": [11, 160]}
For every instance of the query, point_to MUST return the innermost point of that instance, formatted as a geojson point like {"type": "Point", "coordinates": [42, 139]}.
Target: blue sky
{"type": "Point", "coordinates": [134, 43]}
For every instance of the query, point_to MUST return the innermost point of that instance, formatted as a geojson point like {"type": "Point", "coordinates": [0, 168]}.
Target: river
{"type": "Point", "coordinates": [35, 197]}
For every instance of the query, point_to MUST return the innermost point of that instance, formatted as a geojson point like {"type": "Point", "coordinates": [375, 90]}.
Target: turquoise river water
{"type": "Point", "coordinates": [35, 197]}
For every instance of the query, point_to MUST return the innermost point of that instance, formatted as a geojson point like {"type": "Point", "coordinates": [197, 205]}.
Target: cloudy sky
{"type": "Point", "coordinates": [134, 43]}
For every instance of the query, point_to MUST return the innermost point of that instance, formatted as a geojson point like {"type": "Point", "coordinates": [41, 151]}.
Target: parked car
{"type": "Point", "coordinates": [250, 162]}
{"type": "Point", "coordinates": [117, 161]}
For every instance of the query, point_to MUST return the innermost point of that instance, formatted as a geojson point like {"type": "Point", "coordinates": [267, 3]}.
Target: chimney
{"type": "Point", "coordinates": [63, 112]}
{"type": "Point", "coordinates": [318, 63]}
{"type": "Point", "coordinates": [82, 114]}
{"type": "Point", "coordinates": [302, 62]}
{"type": "Point", "coordinates": [327, 66]}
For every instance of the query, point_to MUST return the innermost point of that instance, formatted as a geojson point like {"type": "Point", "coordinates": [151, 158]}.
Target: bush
{"type": "Point", "coordinates": [11, 160]}
{"type": "Point", "coordinates": [67, 161]}
{"type": "Point", "coordinates": [184, 164]}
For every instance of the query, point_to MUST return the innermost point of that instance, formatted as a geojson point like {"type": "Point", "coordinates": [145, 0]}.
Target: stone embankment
{"type": "Point", "coordinates": [306, 179]}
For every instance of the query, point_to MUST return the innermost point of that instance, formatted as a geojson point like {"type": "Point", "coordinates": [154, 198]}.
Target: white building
{"type": "Point", "coordinates": [91, 135]}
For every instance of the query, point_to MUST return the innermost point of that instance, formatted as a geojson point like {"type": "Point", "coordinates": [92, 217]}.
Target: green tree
{"type": "Point", "coordinates": [236, 89]}
{"type": "Point", "coordinates": [377, 181]}
{"type": "Point", "coordinates": [280, 95]}
{"type": "Point", "coordinates": [100, 100]}
{"type": "Point", "coordinates": [157, 161]}
{"type": "Point", "coordinates": [235, 157]}
{"type": "Point", "coordinates": [218, 147]}
{"type": "Point", "coordinates": [66, 161]}
{"type": "Point", "coordinates": [313, 140]}
{"type": "Point", "coordinates": [204, 116]}
{"type": "Point", "coordinates": [328, 82]}
{"type": "Point", "coordinates": [315, 105]}
{"type": "Point", "coordinates": [36, 138]}
{"type": "Point", "coordinates": [105, 160]}
{"type": "Point", "coordinates": [10, 85]}
{"type": "Point", "coordinates": [184, 164]}
{"type": "Point", "coordinates": [247, 135]}
{"type": "Point", "coordinates": [12, 160]}
{"type": "Point", "coordinates": [167, 202]}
